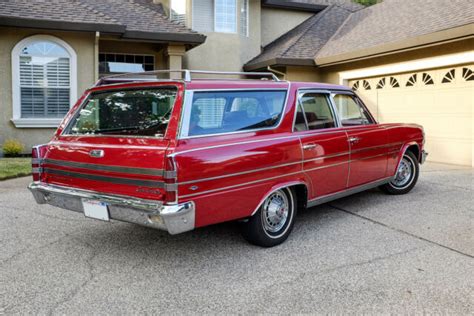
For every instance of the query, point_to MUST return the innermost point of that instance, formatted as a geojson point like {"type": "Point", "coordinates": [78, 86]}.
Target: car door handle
{"type": "Point", "coordinates": [354, 140]}
{"type": "Point", "coordinates": [309, 146]}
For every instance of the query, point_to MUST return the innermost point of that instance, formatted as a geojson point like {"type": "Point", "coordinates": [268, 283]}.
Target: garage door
{"type": "Point", "coordinates": [441, 100]}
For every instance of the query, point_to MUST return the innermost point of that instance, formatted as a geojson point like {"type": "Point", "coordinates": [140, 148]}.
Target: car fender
{"type": "Point", "coordinates": [403, 151]}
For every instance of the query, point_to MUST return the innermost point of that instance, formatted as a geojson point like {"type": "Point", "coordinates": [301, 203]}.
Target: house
{"type": "Point", "coordinates": [410, 61]}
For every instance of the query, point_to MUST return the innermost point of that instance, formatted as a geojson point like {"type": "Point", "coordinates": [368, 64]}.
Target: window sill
{"type": "Point", "coordinates": [36, 123]}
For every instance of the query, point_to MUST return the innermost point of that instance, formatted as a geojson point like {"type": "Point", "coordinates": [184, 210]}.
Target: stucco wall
{"type": "Point", "coordinates": [298, 73]}
{"type": "Point", "coordinates": [83, 45]}
{"type": "Point", "coordinates": [226, 51]}
{"type": "Point", "coordinates": [276, 22]}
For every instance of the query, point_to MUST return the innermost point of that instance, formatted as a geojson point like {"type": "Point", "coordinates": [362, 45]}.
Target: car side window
{"type": "Point", "coordinates": [350, 111]}
{"type": "Point", "coordinates": [314, 112]}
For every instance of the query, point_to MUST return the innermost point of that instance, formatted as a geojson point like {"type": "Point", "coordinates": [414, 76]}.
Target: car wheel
{"type": "Point", "coordinates": [406, 176]}
{"type": "Point", "coordinates": [272, 223]}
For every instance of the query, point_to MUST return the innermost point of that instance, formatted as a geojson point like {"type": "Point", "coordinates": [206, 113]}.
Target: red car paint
{"type": "Point", "coordinates": [227, 176]}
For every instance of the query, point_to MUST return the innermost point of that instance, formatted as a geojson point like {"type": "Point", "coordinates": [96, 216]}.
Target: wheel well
{"type": "Point", "coordinates": [301, 192]}
{"type": "Point", "coordinates": [415, 150]}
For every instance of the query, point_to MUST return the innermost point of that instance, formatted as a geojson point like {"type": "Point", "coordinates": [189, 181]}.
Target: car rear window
{"type": "Point", "coordinates": [141, 112]}
{"type": "Point", "coordinates": [216, 112]}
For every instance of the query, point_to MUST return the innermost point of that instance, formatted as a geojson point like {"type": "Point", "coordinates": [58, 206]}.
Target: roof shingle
{"type": "Point", "coordinates": [299, 45]}
{"type": "Point", "coordinates": [394, 20]}
{"type": "Point", "coordinates": [132, 18]}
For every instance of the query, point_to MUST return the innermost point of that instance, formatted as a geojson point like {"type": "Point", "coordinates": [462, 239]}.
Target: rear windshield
{"type": "Point", "coordinates": [219, 112]}
{"type": "Point", "coordinates": [141, 112]}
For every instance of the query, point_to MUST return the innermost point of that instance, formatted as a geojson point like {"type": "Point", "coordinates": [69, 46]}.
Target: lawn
{"type": "Point", "coordinates": [14, 167]}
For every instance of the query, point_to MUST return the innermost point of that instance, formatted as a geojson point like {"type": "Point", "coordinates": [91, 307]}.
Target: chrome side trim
{"type": "Point", "coordinates": [240, 185]}
{"type": "Point", "coordinates": [334, 196]}
{"type": "Point", "coordinates": [97, 167]}
{"type": "Point", "coordinates": [328, 166]}
{"type": "Point", "coordinates": [376, 147]}
{"type": "Point", "coordinates": [239, 173]}
{"type": "Point", "coordinates": [116, 180]}
{"type": "Point", "coordinates": [231, 144]}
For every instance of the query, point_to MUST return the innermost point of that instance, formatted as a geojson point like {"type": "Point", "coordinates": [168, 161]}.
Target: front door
{"type": "Point", "coordinates": [367, 140]}
{"type": "Point", "coordinates": [324, 145]}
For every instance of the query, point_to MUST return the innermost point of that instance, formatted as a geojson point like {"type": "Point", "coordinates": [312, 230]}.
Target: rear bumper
{"type": "Point", "coordinates": [424, 154]}
{"type": "Point", "coordinates": [174, 219]}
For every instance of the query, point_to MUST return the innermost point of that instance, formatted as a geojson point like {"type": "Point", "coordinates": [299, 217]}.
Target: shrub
{"type": "Point", "coordinates": [12, 148]}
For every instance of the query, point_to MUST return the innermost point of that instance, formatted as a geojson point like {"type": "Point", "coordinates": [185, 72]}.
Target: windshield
{"type": "Point", "coordinates": [141, 112]}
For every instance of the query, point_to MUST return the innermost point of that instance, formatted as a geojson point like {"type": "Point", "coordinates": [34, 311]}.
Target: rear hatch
{"type": "Point", "coordinates": [115, 141]}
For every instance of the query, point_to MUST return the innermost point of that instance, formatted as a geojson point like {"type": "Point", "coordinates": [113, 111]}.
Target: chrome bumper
{"type": "Point", "coordinates": [174, 219]}
{"type": "Point", "coordinates": [424, 154]}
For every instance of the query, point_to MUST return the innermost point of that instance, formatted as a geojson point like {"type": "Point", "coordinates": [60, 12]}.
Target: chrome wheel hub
{"type": "Point", "coordinates": [404, 173]}
{"type": "Point", "coordinates": [275, 211]}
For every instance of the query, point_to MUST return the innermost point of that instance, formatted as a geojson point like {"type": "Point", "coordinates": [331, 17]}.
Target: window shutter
{"type": "Point", "coordinates": [44, 87]}
{"type": "Point", "coordinates": [203, 15]}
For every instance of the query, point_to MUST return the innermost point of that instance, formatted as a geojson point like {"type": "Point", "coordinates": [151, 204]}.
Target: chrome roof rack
{"type": "Point", "coordinates": [187, 74]}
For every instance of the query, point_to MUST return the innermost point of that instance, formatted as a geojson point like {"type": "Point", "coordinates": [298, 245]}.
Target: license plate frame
{"type": "Point", "coordinates": [96, 209]}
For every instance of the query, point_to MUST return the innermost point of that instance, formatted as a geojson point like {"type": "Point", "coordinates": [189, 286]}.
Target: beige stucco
{"type": "Point", "coordinates": [302, 73]}
{"type": "Point", "coordinates": [276, 22]}
{"type": "Point", "coordinates": [228, 51]}
{"type": "Point", "coordinates": [83, 45]}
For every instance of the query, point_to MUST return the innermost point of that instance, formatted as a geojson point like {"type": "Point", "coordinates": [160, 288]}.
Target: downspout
{"type": "Point", "coordinates": [96, 56]}
{"type": "Point", "coordinates": [269, 68]}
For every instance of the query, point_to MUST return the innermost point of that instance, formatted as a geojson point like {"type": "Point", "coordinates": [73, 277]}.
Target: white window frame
{"type": "Point", "coordinates": [16, 95]}
{"type": "Point", "coordinates": [236, 30]}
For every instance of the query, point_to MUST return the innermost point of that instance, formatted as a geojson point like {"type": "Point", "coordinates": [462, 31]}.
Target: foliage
{"type": "Point", "coordinates": [14, 167]}
{"type": "Point", "coordinates": [12, 148]}
{"type": "Point", "coordinates": [367, 2]}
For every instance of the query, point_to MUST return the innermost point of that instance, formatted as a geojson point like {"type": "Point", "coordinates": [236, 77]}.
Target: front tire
{"type": "Point", "coordinates": [406, 176]}
{"type": "Point", "coordinates": [272, 223]}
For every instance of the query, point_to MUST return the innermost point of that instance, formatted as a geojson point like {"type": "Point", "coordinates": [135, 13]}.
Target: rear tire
{"type": "Point", "coordinates": [272, 223]}
{"type": "Point", "coordinates": [406, 176]}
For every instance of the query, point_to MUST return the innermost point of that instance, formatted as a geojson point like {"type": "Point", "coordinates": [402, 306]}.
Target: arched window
{"type": "Point", "coordinates": [43, 81]}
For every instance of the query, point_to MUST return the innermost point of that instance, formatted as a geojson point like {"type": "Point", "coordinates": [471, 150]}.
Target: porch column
{"type": "Point", "coordinates": [174, 54]}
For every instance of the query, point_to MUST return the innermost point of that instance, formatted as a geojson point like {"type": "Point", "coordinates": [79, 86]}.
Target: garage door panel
{"type": "Point", "coordinates": [436, 99]}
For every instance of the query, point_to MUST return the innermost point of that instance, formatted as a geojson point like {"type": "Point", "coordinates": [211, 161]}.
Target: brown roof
{"type": "Point", "coordinates": [298, 46]}
{"type": "Point", "coordinates": [343, 29]}
{"type": "Point", "coordinates": [395, 20]}
{"type": "Point", "coordinates": [133, 19]}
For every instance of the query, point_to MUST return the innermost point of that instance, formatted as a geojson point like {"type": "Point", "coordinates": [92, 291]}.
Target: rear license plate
{"type": "Point", "coordinates": [95, 209]}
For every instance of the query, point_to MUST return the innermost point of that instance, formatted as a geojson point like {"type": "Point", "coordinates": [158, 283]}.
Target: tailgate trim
{"type": "Point", "coordinates": [117, 180]}
{"type": "Point", "coordinates": [96, 167]}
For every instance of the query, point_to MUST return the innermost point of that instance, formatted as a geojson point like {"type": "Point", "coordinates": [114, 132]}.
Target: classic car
{"type": "Point", "coordinates": [181, 154]}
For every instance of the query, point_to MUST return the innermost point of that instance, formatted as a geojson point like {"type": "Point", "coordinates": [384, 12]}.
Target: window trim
{"type": "Point", "coordinates": [236, 31]}
{"type": "Point", "coordinates": [328, 94]}
{"type": "Point", "coordinates": [187, 104]}
{"type": "Point", "coordinates": [17, 120]}
{"type": "Point", "coordinates": [358, 101]}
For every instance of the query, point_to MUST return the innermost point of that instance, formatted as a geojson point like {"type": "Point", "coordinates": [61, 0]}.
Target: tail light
{"type": "Point", "coordinates": [37, 152]}
{"type": "Point", "coordinates": [170, 177]}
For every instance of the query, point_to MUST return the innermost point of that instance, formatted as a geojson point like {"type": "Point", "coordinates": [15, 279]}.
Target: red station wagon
{"type": "Point", "coordinates": [181, 154]}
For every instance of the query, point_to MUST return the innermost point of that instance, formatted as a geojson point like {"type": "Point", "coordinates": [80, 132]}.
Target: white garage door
{"type": "Point", "coordinates": [441, 100]}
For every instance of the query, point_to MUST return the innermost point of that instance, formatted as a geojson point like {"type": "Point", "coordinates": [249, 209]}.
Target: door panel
{"type": "Point", "coordinates": [368, 146]}
{"type": "Point", "coordinates": [326, 161]}
{"type": "Point", "coordinates": [324, 146]}
{"type": "Point", "coordinates": [367, 140]}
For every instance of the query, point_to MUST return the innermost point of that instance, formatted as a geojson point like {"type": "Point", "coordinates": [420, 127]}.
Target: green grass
{"type": "Point", "coordinates": [14, 167]}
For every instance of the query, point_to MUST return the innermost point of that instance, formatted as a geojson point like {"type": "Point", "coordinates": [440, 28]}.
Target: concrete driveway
{"type": "Point", "coordinates": [369, 253]}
